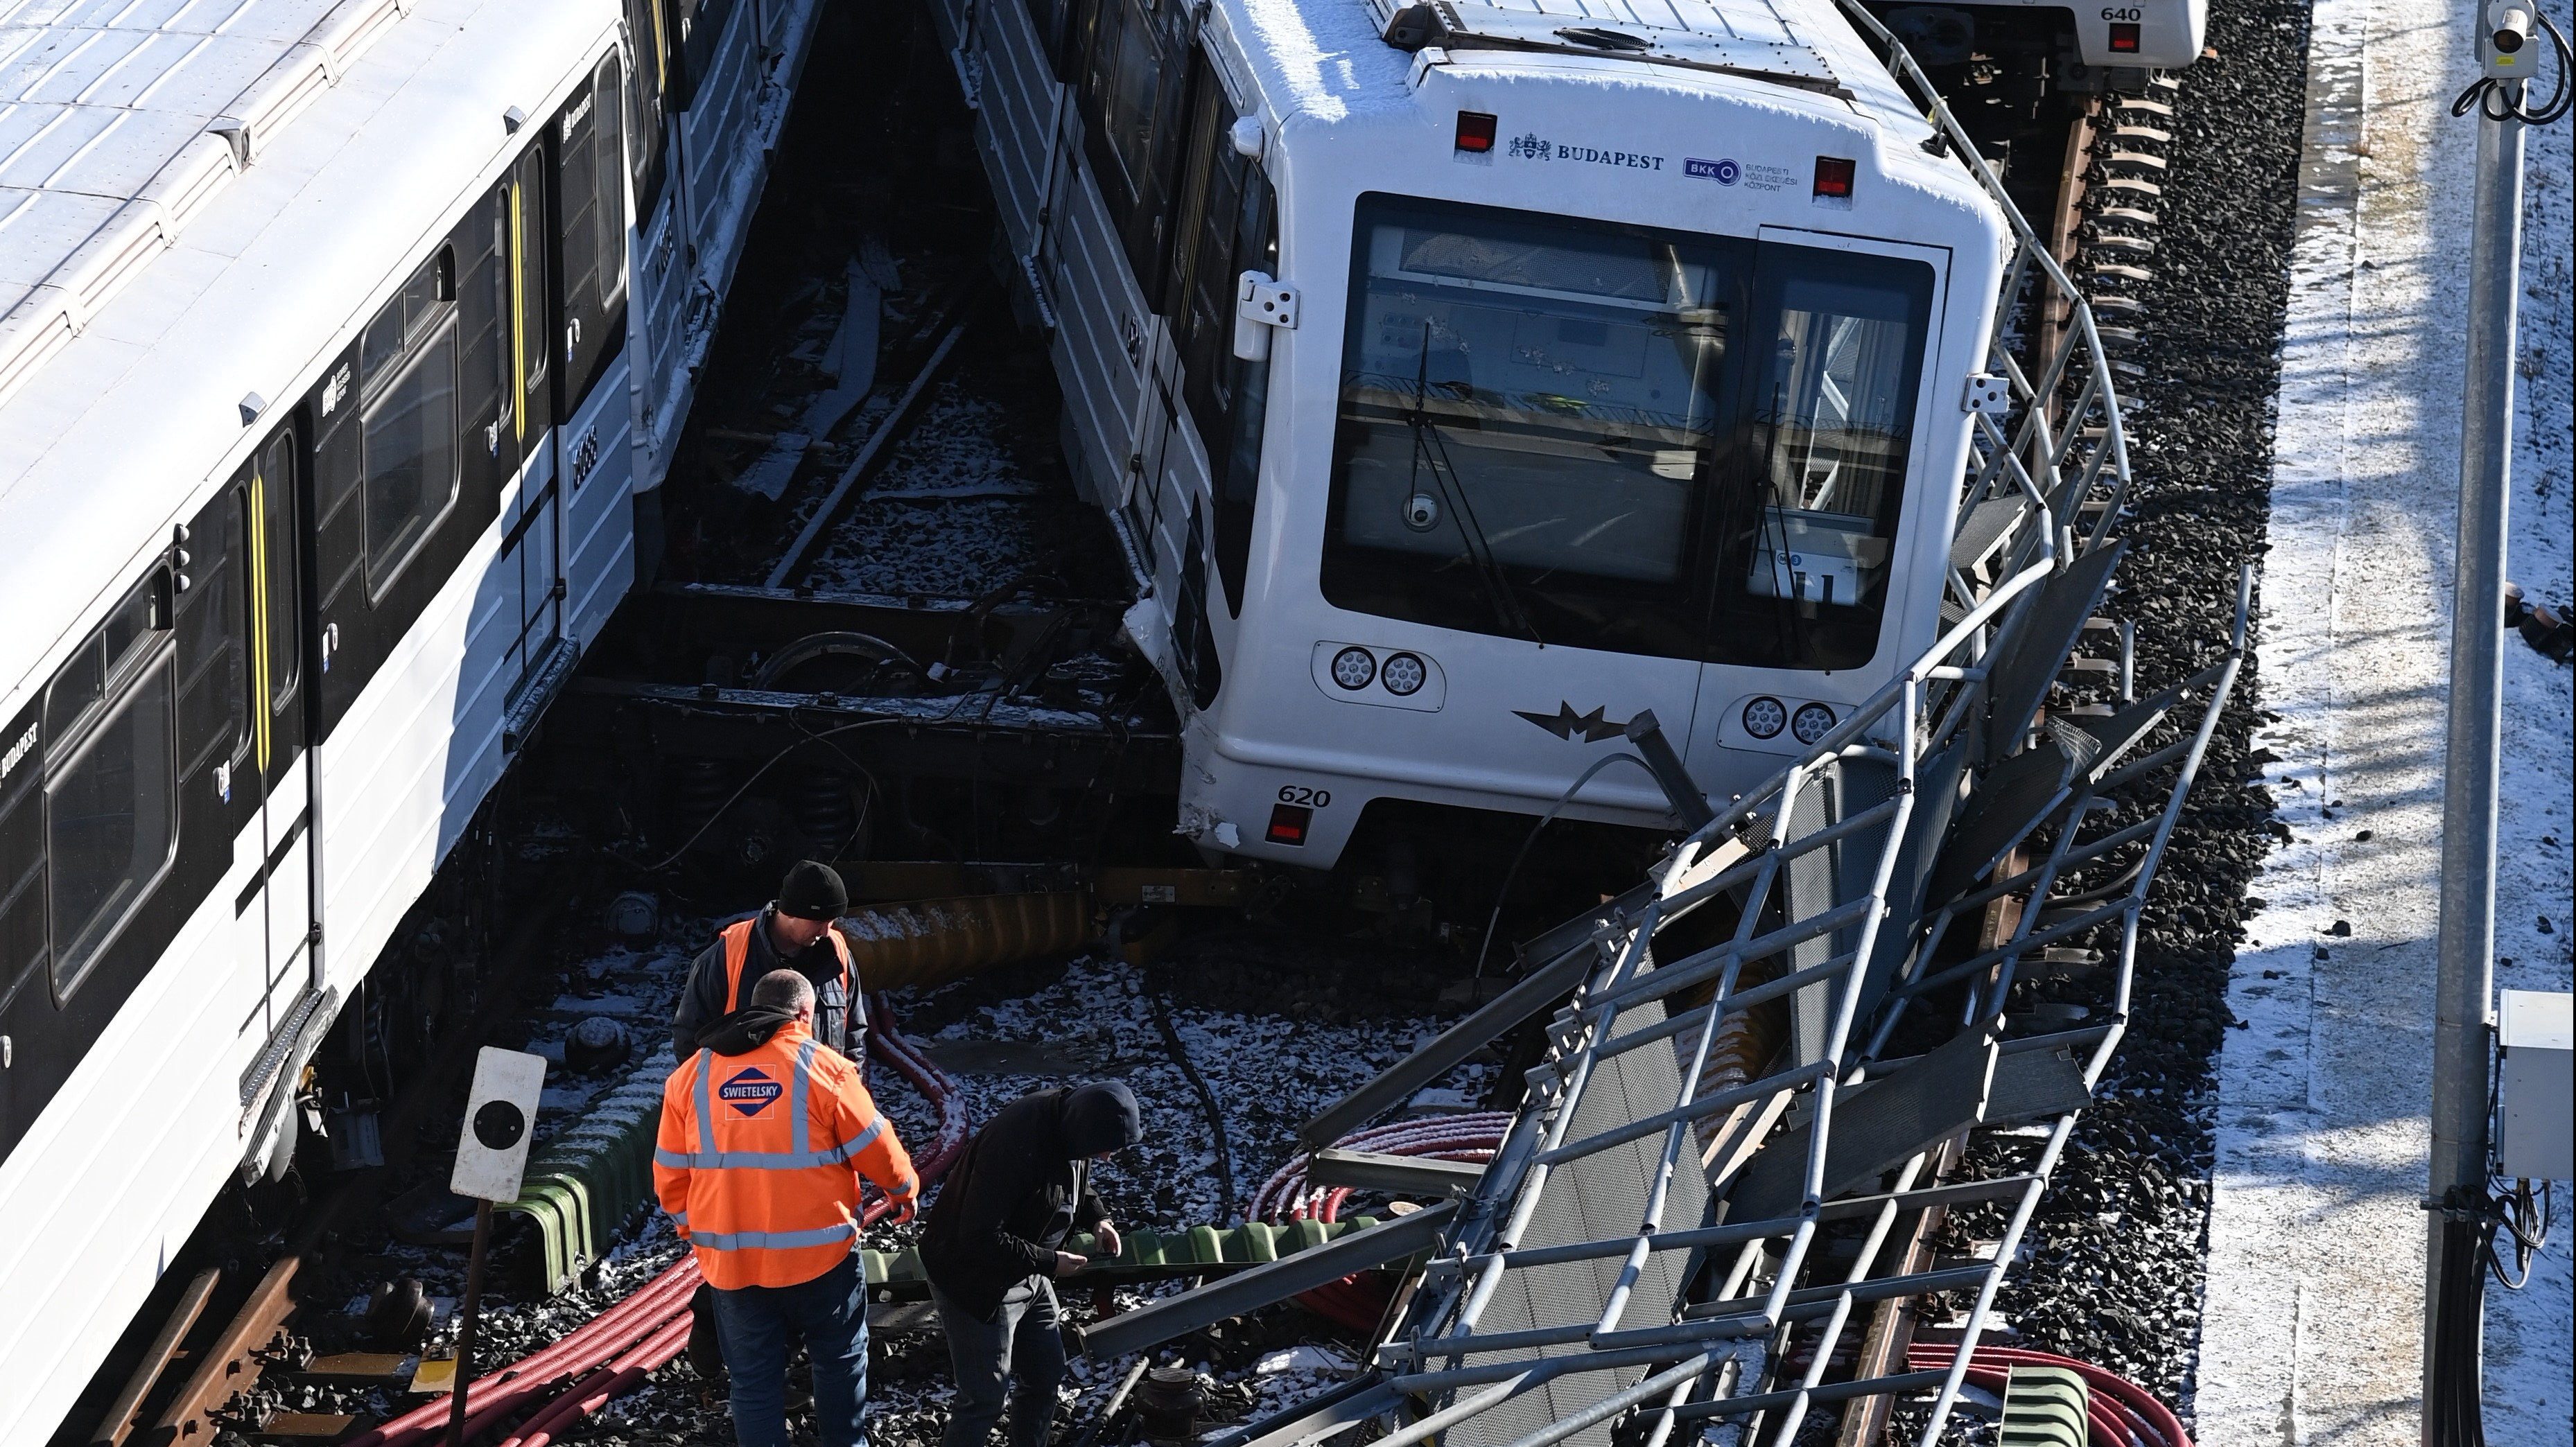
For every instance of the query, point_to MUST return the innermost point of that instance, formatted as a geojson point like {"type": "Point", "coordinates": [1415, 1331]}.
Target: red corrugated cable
{"type": "Point", "coordinates": [2121, 1412]}
{"type": "Point", "coordinates": [1348, 1302]}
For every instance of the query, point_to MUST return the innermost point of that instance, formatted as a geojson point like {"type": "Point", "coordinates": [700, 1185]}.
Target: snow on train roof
{"type": "Point", "coordinates": [196, 196]}
{"type": "Point", "coordinates": [1329, 59]}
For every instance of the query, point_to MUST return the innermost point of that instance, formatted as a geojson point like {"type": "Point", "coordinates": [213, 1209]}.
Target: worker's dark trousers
{"type": "Point", "coordinates": [756, 1324]}
{"type": "Point", "coordinates": [1015, 1355]}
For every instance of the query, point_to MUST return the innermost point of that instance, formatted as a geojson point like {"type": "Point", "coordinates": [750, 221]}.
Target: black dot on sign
{"type": "Point", "coordinates": [499, 1125]}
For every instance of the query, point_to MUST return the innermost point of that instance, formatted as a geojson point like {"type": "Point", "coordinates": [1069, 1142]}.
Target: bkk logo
{"type": "Point", "coordinates": [750, 1092]}
{"type": "Point", "coordinates": [1724, 173]}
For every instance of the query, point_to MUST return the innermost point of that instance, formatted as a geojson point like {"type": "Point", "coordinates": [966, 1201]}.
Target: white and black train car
{"type": "Point", "coordinates": [324, 344]}
{"type": "Point", "coordinates": [1469, 380]}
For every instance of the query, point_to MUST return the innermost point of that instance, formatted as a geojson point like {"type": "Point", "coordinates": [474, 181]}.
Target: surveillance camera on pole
{"type": "Point", "coordinates": [491, 1157]}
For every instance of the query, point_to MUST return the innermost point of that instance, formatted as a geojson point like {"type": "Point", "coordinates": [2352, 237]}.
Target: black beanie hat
{"type": "Point", "coordinates": [812, 891]}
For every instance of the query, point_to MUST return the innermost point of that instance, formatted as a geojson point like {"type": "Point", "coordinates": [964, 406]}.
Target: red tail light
{"type": "Point", "coordinates": [2124, 37]}
{"type": "Point", "coordinates": [1288, 824]}
{"type": "Point", "coordinates": [1834, 178]}
{"type": "Point", "coordinates": [1475, 132]}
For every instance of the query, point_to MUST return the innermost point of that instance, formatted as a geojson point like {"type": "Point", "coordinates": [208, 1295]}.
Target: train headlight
{"type": "Point", "coordinates": [1764, 718]}
{"type": "Point", "coordinates": [1354, 667]}
{"type": "Point", "coordinates": [1403, 675]}
{"type": "Point", "coordinates": [1812, 722]}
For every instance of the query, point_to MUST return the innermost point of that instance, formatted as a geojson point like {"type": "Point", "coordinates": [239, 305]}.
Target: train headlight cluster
{"type": "Point", "coordinates": [1766, 718]}
{"type": "Point", "coordinates": [1353, 668]}
{"type": "Point", "coordinates": [1384, 677]}
{"type": "Point", "coordinates": [1403, 674]}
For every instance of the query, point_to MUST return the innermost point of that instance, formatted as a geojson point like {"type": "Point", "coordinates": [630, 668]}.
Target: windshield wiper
{"type": "Point", "coordinates": [1431, 450]}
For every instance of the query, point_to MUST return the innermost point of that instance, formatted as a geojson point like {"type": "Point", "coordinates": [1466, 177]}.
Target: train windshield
{"type": "Point", "coordinates": [1621, 438]}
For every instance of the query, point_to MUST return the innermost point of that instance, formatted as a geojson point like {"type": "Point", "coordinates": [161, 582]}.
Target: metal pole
{"type": "Point", "coordinates": [2464, 985]}
{"type": "Point", "coordinates": [465, 1324]}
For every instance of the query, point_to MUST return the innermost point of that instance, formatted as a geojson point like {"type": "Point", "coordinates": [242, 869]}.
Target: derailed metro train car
{"type": "Point", "coordinates": [1467, 382]}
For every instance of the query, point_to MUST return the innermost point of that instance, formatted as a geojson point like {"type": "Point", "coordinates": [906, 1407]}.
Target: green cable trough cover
{"type": "Point", "coordinates": [1146, 1255]}
{"type": "Point", "coordinates": [2043, 1407]}
{"type": "Point", "coordinates": [583, 1184]}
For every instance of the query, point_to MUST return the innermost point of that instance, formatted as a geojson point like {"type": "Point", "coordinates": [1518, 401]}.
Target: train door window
{"type": "Point", "coordinates": [591, 239]}
{"type": "Point", "coordinates": [214, 713]}
{"type": "Point", "coordinates": [1132, 100]}
{"type": "Point", "coordinates": [528, 330]}
{"type": "Point", "coordinates": [111, 805]}
{"type": "Point", "coordinates": [1199, 663]}
{"type": "Point", "coordinates": [608, 185]}
{"type": "Point", "coordinates": [1228, 224]}
{"type": "Point", "coordinates": [408, 420]}
{"type": "Point", "coordinates": [1831, 421]}
{"type": "Point", "coordinates": [22, 852]}
{"type": "Point", "coordinates": [272, 575]}
{"type": "Point", "coordinates": [648, 29]}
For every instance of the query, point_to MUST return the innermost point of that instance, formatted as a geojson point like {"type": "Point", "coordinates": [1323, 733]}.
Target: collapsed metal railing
{"type": "Point", "coordinates": [2049, 462]}
{"type": "Point", "coordinates": [1603, 1266]}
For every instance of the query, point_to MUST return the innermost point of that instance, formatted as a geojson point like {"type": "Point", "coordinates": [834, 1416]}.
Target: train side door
{"type": "Point", "coordinates": [274, 915]}
{"type": "Point", "coordinates": [593, 463]}
{"type": "Point", "coordinates": [1204, 404]}
{"type": "Point", "coordinates": [532, 548]}
{"type": "Point", "coordinates": [1109, 239]}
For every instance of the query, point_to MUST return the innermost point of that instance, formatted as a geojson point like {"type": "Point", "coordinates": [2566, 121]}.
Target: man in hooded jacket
{"type": "Point", "coordinates": [764, 1138]}
{"type": "Point", "coordinates": [991, 1247]}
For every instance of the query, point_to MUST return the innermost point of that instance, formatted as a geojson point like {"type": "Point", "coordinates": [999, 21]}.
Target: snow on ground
{"type": "Point", "coordinates": [2314, 1299]}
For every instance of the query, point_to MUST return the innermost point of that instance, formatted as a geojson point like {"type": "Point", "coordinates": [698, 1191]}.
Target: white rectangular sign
{"type": "Point", "coordinates": [500, 1120]}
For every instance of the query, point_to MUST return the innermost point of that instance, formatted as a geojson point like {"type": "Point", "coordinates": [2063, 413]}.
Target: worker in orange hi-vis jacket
{"type": "Point", "coordinates": [765, 1135]}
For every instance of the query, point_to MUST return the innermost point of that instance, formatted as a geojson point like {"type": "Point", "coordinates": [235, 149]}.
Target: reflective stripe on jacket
{"type": "Point", "coordinates": [737, 948]}
{"type": "Point", "coordinates": [760, 1155]}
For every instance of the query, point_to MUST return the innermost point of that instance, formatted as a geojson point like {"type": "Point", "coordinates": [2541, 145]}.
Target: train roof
{"type": "Point", "coordinates": [1330, 59]}
{"type": "Point", "coordinates": [196, 196]}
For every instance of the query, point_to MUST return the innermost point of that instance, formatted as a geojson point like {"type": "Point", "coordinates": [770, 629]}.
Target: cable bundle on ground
{"type": "Point", "coordinates": [1352, 1303]}
{"type": "Point", "coordinates": [2119, 1412]}
{"type": "Point", "coordinates": [1472, 1138]}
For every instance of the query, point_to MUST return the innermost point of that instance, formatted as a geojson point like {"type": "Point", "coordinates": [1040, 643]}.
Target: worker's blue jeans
{"type": "Point", "coordinates": [1013, 1355]}
{"type": "Point", "coordinates": [756, 1325]}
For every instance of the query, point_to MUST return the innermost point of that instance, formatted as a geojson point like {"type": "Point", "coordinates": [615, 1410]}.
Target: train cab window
{"type": "Point", "coordinates": [1533, 409]}
{"type": "Point", "coordinates": [1228, 224]}
{"type": "Point", "coordinates": [408, 420]}
{"type": "Point", "coordinates": [1568, 430]}
{"type": "Point", "coordinates": [111, 805]}
{"type": "Point", "coordinates": [1831, 420]}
